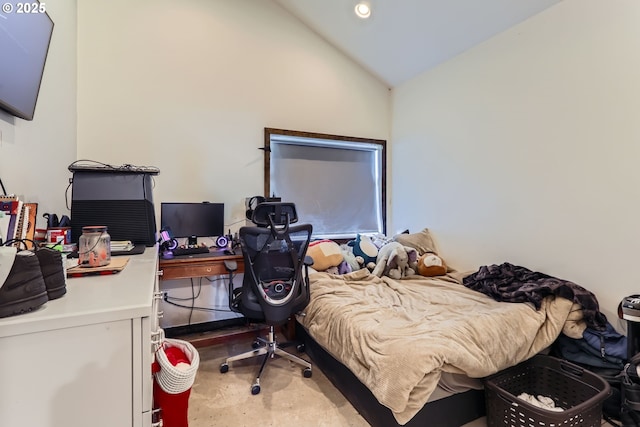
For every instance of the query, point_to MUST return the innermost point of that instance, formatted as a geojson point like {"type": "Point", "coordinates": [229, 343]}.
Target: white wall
{"type": "Point", "coordinates": [34, 155]}
{"type": "Point", "coordinates": [525, 149]}
{"type": "Point", "coordinates": [189, 87]}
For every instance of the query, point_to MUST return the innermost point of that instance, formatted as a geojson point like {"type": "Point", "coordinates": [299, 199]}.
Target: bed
{"type": "Point", "coordinates": [413, 351]}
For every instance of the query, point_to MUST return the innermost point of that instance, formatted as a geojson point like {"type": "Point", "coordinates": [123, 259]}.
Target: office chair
{"type": "Point", "coordinates": [273, 288]}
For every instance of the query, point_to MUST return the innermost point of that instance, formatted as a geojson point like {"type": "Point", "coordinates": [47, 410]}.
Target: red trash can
{"type": "Point", "coordinates": [174, 372]}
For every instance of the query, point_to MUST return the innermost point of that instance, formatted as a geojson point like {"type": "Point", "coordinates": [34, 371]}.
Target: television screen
{"type": "Point", "coordinates": [25, 33]}
{"type": "Point", "coordinates": [193, 219]}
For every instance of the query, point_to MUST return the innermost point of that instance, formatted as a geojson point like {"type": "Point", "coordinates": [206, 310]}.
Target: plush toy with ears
{"type": "Point", "coordinates": [395, 260]}
{"type": "Point", "coordinates": [430, 264]}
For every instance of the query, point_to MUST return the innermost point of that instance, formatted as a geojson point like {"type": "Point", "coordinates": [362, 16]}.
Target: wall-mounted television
{"type": "Point", "coordinates": [25, 33]}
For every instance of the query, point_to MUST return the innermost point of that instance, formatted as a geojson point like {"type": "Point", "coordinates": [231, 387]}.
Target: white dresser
{"type": "Point", "coordinates": [84, 359]}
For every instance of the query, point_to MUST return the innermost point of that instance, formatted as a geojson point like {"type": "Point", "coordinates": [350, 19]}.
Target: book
{"type": "Point", "coordinates": [21, 230]}
{"type": "Point", "coordinates": [12, 208]}
{"type": "Point", "coordinates": [31, 224]}
{"type": "Point", "coordinates": [4, 226]}
{"type": "Point", "coordinates": [121, 245]}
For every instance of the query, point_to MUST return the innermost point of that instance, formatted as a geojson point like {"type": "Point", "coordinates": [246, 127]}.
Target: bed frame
{"type": "Point", "coordinates": [453, 411]}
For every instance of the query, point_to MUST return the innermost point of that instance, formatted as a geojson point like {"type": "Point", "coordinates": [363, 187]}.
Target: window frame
{"type": "Point", "coordinates": [268, 132]}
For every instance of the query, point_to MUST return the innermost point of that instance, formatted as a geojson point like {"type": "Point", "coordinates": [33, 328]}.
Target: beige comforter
{"type": "Point", "coordinates": [398, 336]}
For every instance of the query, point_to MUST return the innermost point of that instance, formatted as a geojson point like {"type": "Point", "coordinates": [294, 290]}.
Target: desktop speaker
{"type": "Point", "coordinates": [121, 199]}
{"type": "Point", "coordinates": [222, 242]}
{"type": "Point", "coordinates": [166, 240]}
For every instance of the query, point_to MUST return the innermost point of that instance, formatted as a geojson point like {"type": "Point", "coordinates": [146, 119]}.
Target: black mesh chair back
{"type": "Point", "coordinates": [274, 286]}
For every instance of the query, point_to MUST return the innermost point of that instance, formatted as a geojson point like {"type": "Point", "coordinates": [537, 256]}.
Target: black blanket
{"type": "Point", "coordinates": [511, 283]}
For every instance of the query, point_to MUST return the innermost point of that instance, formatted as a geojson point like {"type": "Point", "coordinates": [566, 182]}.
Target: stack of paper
{"type": "Point", "coordinates": [121, 245]}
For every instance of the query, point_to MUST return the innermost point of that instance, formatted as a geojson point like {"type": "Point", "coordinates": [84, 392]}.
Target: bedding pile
{"type": "Point", "coordinates": [513, 283]}
{"type": "Point", "coordinates": [399, 336]}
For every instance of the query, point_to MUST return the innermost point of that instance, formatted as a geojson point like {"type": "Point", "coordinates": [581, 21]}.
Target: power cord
{"type": "Point", "coordinates": [171, 300]}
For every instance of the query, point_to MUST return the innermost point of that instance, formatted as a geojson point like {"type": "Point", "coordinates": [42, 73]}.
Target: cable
{"type": "Point", "coordinates": [193, 300]}
{"type": "Point", "coordinates": [4, 191]}
{"type": "Point", "coordinates": [213, 280]}
{"type": "Point", "coordinates": [170, 300]}
{"type": "Point", "coordinates": [66, 194]}
{"type": "Point", "coordinates": [191, 297]}
{"type": "Point", "coordinates": [234, 223]}
{"type": "Point", "coordinates": [199, 308]}
{"type": "Point", "coordinates": [86, 163]}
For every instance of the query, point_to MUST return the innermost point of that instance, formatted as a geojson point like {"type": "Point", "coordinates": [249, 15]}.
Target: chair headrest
{"type": "Point", "coordinates": [281, 213]}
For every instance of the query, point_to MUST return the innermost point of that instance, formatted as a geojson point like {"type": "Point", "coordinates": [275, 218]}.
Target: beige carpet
{"type": "Point", "coordinates": [286, 397]}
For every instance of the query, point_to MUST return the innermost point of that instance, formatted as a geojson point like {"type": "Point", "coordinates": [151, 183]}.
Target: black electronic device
{"type": "Point", "coordinates": [193, 220]}
{"type": "Point", "coordinates": [630, 307]}
{"type": "Point", "coordinates": [119, 198]}
{"type": "Point", "coordinates": [190, 250]}
{"type": "Point", "coordinates": [223, 242]}
{"type": "Point", "coordinates": [254, 201]}
{"type": "Point", "coordinates": [167, 242]}
{"type": "Point", "coordinates": [25, 33]}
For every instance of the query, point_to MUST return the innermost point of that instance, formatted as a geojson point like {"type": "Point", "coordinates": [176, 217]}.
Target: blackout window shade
{"type": "Point", "coordinates": [336, 185]}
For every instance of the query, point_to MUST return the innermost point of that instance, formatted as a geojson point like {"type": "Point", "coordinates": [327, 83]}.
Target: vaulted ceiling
{"type": "Point", "coordinates": [403, 38]}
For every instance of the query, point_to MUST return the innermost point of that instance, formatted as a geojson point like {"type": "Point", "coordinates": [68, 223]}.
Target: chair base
{"type": "Point", "coordinates": [270, 349]}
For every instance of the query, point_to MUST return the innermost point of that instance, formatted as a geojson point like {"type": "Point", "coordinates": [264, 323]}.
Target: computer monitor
{"type": "Point", "coordinates": [193, 219]}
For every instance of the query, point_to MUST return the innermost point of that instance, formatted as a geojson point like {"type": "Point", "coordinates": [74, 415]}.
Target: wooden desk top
{"type": "Point", "coordinates": [198, 265]}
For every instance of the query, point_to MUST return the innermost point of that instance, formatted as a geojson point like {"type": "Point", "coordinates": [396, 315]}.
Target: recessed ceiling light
{"type": "Point", "coordinates": [363, 10]}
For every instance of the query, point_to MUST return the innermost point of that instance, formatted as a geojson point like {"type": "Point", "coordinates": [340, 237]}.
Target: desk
{"type": "Point", "coordinates": [198, 265]}
{"type": "Point", "coordinates": [202, 265]}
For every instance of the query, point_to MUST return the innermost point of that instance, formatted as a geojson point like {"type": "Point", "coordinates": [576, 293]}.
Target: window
{"type": "Point", "coordinates": [338, 183]}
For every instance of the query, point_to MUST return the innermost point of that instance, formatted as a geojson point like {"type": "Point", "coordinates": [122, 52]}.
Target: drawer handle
{"type": "Point", "coordinates": [208, 269]}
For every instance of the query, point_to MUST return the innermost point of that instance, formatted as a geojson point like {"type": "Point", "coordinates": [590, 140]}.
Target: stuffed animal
{"type": "Point", "coordinates": [325, 254]}
{"type": "Point", "coordinates": [365, 251]}
{"type": "Point", "coordinates": [349, 263]}
{"type": "Point", "coordinates": [430, 264]}
{"type": "Point", "coordinates": [395, 260]}
{"type": "Point", "coordinates": [380, 240]}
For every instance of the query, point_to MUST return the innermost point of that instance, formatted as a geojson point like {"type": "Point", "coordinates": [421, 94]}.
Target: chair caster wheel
{"type": "Point", "coordinates": [255, 389]}
{"type": "Point", "coordinates": [307, 372]}
{"type": "Point", "coordinates": [255, 345]}
{"type": "Point", "coordinates": [300, 348]}
{"type": "Point", "coordinates": [224, 368]}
